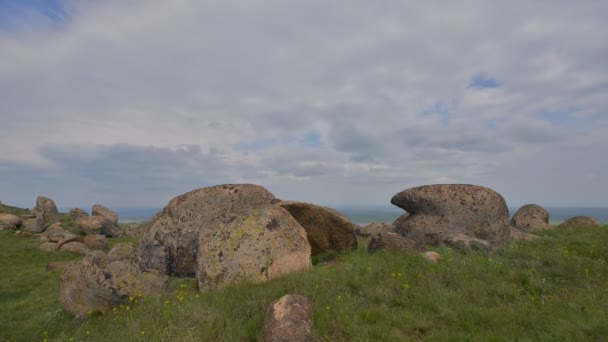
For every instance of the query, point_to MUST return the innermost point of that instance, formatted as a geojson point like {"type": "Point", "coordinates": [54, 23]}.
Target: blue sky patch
{"type": "Point", "coordinates": [560, 117]}
{"type": "Point", "coordinates": [13, 11]}
{"type": "Point", "coordinates": [483, 81]}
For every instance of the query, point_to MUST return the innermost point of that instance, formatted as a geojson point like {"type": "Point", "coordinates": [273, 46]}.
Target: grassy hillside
{"type": "Point", "coordinates": [552, 289]}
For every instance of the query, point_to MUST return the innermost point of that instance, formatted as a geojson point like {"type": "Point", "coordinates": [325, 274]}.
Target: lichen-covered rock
{"type": "Point", "coordinates": [123, 251]}
{"type": "Point", "coordinates": [8, 221]}
{"type": "Point", "coordinates": [374, 228]}
{"type": "Point", "coordinates": [170, 242]}
{"type": "Point", "coordinates": [531, 217]}
{"type": "Point", "coordinates": [46, 209]}
{"type": "Point", "coordinates": [326, 228]}
{"type": "Point", "coordinates": [74, 247]}
{"type": "Point", "coordinates": [262, 245]}
{"type": "Point", "coordinates": [77, 213]}
{"type": "Point", "coordinates": [518, 234]}
{"type": "Point", "coordinates": [100, 210]}
{"type": "Point", "coordinates": [451, 209]}
{"type": "Point", "coordinates": [393, 241]}
{"type": "Point", "coordinates": [49, 246]}
{"type": "Point", "coordinates": [288, 319]}
{"type": "Point", "coordinates": [400, 219]}
{"type": "Point", "coordinates": [34, 225]}
{"type": "Point", "coordinates": [98, 225]}
{"type": "Point", "coordinates": [578, 221]}
{"type": "Point", "coordinates": [95, 241]}
{"type": "Point", "coordinates": [98, 284]}
{"type": "Point", "coordinates": [466, 242]}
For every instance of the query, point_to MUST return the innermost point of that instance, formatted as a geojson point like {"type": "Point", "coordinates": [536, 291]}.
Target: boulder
{"type": "Point", "coordinates": [374, 228]}
{"type": "Point", "coordinates": [131, 229]}
{"type": "Point", "coordinates": [123, 251]}
{"type": "Point", "coordinates": [432, 257]}
{"type": "Point", "coordinates": [77, 213]}
{"type": "Point", "coordinates": [100, 210]}
{"type": "Point", "coordinates": [262, 245]}
{"type": "Point", "coordinates": [578, 221]}
{"type": "Point", "coordinates": [74, 247]}
{"type": "Point", "coordinates": [400, 219]}
{"type": "Point", "coordinates": [170, 241]}
{"type": "Point", "coordinates": [98, 284]}
{"type": "Point", "coordinates": [288, 319]}
{"type": "Point", "coordinates": [518, 234]}
{"type": "Point", "coordinates": [48, 246]}
{"type": "Point", "coordinates": [393, 241]}
{"type": "Point", "coordinates": [34, 225]}
{"type": "Point", "coordinates": [98, 225]}
{"type": "Point", "coordinates": [531, 217]}
{"type": "Point", "coordinates": [95, 241]}
{"type": "Point", "coordinates": [326, 228]}
{"type": "Point", "coordinates": [8, 221]}
{"type": "Point", "coordinates": [46, 209]}
{"type": "Point", "coordinates": [466, 242]}
{"type": "Point", "coordinates": [452, 209]}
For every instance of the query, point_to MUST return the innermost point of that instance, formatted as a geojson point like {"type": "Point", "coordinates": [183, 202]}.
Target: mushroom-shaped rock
{"type": "Point", "coordinates": [374, 228]}
{"type": "Point", "coordinates": [170, 242]}
{"type": "Point", "coordinates": [95, 241]}
{"type": "Point", "coordinates": [518, 234]}
{"type": "Point", "coordinates": [451, 209]}
{"type": "Point", "coordinates": [578, 221]}
{"type": "Point", "coordinates": [98, 225]}
{"type": "Point", "coordinates": [288, 319]}
{"type": "Point", "coordinates": [531, 217]}
{"type": "Point", "coordinates": [46, 209]}
{"type": "Point", "coordinates": [9, 221]}
{"type": "Point", "coordinates": [262, 245]}
{"type": "Point", "coordinates": [77, 213]}
{"type": "Point", "coordinates": [100, 210]}
{"type": "Point", "coordinates": [97, 284]}
{"type": "Point", "coordinates": [326, 228]}
{"type": "Point", "coordinates": [393, 241]}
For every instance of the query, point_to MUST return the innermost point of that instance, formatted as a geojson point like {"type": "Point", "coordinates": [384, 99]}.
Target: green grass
{"type": "Point", "coordinates": [552, 289]}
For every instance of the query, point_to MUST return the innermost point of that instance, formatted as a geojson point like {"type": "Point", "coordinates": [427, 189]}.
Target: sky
{"type": "Point", "coordinates": [130, 103]}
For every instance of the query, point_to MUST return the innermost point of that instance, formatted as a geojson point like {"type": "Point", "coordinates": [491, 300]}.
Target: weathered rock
{"type": "Point", "coordinates": [123, 251]}
{"type": "Point", "coordinates": [49, 246]}
{"type": "Point", "coordinates": [77, 213]}
{"type": "Point", "coordinates": [55, 233]}
{"type": "Point", "coordinates": [432, 257]}
{"type": "Point", "coordinates": [58, 265]}
{"type": "Point", "coordinates": [518, 234]}
{"type": "Point", "coordinates": [326, 228]}
{"type": "Point", "coordinates": [451, 209]}
{"type": "Point", "coordinates": [578, 221]}
{"type": "Point", "coordinates": [263, 245]}
{"type": "Point", "coordinates": [34, 225]}
{"type": "Point", "coordinates": [95, 241]}
{"type": "Point", "coordinates": [393, 241]}
{"type": "Point", "coordinates": [97, 284]}
{"type": "Point", "coordinates": [169, 243]}
{"type": "Point", "coordinates": [374, 228]}
{"type": "Point", "coordinates": [398, 221]}
{"type": "Point", "coordinates": [74, 247]}
{"type": "Point", "coordinates": [288, 319]}
{"type": "Point", "coordinates": [466, 242]}
{"type": "Point", "coordinates": [99, 225]}
{"type": "Point", "coordinates": [8, 221]}
{"type": "Point", "coordinates": [131, 229]}
{"type": "Point", "coordinates": [531, 217]}
{"type": "Point", "coordinates": [46, 209]}
{"type": "Point", "coordinates": [100, 210]}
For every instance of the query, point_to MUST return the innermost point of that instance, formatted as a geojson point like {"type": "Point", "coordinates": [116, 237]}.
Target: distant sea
{"type": "Point", "coordinates": [367, 214]}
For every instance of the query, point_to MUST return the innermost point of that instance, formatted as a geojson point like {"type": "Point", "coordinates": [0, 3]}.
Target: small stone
{"type": "Point", "coordinates": [432, 257]}
{"type": "Point", "coordinates": [288, 319]}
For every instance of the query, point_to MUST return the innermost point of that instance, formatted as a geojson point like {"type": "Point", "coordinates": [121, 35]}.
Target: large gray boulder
{"type": "Point", "coordinates": [46, 209]}
{"type": "Point", "coordinates": [99, 283]}
{"type": "Point", "coordinates": [169, 244]}
{"type": "Point", "coordinates": [443, 209]}
{"type": "Point", "coordinates": [98, 225]}
{"type": "Point", "coordinates": [9, 221]}
{"type": "Point", "coordinates": [531, 217]}
{"type": "Point", "coordinates": [262, 245]}
{"type": "Point", "coordinates": [578, 221]}
{"type": "Point", "coordinates": [288, 319]}
{"type": "Point", "coordinates": [326, 228]}
{"type": "Point", "coordinates": [100, 210]}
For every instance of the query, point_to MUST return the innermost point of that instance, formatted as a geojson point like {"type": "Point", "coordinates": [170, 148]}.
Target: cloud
{"type": "Point", "coordinates": [341, 102]}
